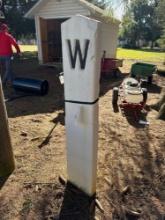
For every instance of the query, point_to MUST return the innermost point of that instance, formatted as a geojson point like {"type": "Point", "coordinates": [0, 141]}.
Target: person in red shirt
{"type": "Point", "coordinates": [6, 52]}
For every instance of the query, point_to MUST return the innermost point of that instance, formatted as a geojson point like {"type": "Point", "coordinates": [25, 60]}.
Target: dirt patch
{"type": "Point", "coordinates": [130, 155]}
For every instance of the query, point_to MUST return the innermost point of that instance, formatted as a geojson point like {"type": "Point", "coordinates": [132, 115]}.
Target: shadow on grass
{"type": "Point", "coordinates": [150, 50]}
{"type": "Point", "coordinates": [28, 55]}
{"type": "Point", "coordinates": [145, 50]}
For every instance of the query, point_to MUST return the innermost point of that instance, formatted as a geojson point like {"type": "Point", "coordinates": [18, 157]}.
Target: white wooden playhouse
{"type": "Point", "coordinates": [49, 14]}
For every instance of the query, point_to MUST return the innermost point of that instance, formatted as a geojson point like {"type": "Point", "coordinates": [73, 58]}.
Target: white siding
{"type": "Point", "coordinates": [53, 9]}
{"type": "Point", "coordinates": [62, 8]}
{"type": "Point", "coordinates": [109, 36]}
{"type": "Point", "coordinates": [38, 36]}
{"type": "Point", "coordinates": [109, 39]}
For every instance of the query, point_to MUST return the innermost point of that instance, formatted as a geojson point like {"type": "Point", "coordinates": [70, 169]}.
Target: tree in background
{"type": "Point", "coordinates": [14, 11]}
{"type": "Point", "coordinates": [101, 4]}
{"type": "Point", "coordinates": [142, 20]}
{"type": "Point", "coordinates": [160, 12]}
{"type": "Point", "coordinates": [161, 19]}
{"type": "Point", "coordinates": [128, 31]}
{"type": "Point", "coordinates": [161, 41]}
{"type": "Point", "coordinates": [141, 23]}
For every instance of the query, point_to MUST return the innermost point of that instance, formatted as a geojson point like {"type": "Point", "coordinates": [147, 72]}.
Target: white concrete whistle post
{"type": "Point", "coordinates": [81, 63]}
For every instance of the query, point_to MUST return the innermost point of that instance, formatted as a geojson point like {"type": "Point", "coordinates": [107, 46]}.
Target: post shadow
{"type": "Point", "coordinates": [3, 181]}
{"type": "Point", "coordinates": [58, 119]}
{"type": "Point", "coordinates": [77, 205]}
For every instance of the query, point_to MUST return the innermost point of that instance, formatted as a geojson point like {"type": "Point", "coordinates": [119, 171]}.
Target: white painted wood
{"type": "Point", "coordinates": [54, 9]}
{"type": "Point", "coordinates": [65, 8]}
{"type": "Point", "coordinates": [38, 37]}
{"type": "Point", "coordinates": [82, 145]}
{"type": "Point", "coordinates": [109, 39]}
{"type": "Point", "coordinates": [109, 36]}
{"type": "Point", "coordinates": [36, 7]}
{"type": "Point", "coordinates": [91, 8]}
{"type": "Point", "coordinates": [82, 85]}
{"type": "Point", "coordinates": [43, 3]}
{"type": "Point", "coordinates": [89, 78]}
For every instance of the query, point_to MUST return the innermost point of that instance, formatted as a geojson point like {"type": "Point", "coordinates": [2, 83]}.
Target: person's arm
{"type": "Point", "coordinates": [14, 43]}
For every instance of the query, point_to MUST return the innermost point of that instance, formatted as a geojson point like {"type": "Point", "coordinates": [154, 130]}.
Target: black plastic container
{"type": "Point", "coordinates": [33, 86]}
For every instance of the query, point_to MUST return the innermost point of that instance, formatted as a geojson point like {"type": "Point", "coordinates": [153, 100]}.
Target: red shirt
{"type": "Point", "coordinates": [6, 42]}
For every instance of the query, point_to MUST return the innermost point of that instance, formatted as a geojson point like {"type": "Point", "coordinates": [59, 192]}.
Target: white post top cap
{"type": "Point", "coordinates": [81, 58]}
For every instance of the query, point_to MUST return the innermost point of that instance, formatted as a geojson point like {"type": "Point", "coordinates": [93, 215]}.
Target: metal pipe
{"type": "Point", "coordinates": [34, 86]}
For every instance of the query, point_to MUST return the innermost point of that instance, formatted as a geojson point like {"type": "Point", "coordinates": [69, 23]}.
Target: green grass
{"type": "Point", "coordinates": [143, 55]}
{"type": "Point", "coordinates": [28, 52]}
{"type": "Point", "coordinates": [29, 48]}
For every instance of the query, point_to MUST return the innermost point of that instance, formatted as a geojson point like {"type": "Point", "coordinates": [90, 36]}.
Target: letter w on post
{"type": "Point", "coordinates": [78, 52]}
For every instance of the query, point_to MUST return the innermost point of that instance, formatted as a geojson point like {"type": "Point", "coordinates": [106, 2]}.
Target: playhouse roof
{"type": "Point", "coordinates": [91, 7]}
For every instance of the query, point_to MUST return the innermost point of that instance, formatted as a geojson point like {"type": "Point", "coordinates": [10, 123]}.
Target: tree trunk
{"type": "Point", "coordinates": [161, 114]}
{"type": "Point", "coordinates": [6, 155]}
{"type": "Point", "coordinates": [152, 44]}
{"type": "Point", "coordinates": [160, 106]}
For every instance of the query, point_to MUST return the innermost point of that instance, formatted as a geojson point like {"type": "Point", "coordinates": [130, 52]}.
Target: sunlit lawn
{"type": "Point", "coordinates": [29, 48]}
{"type": "Point", "coordinates": [143, 55]}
